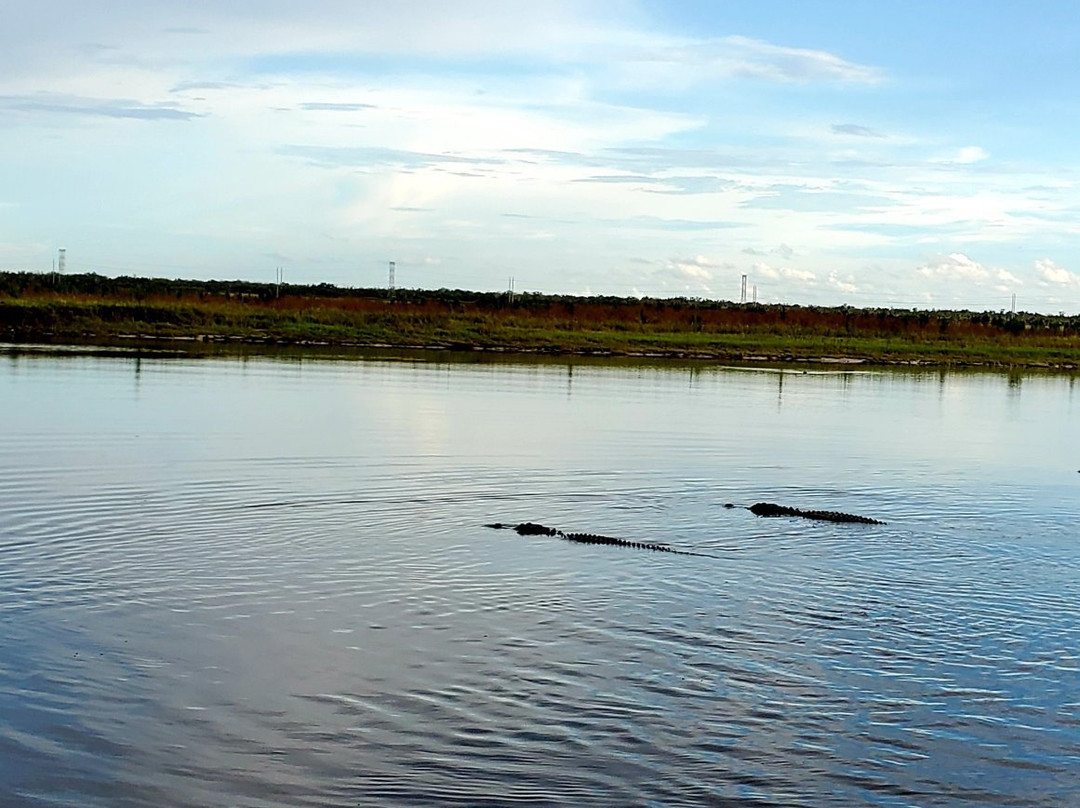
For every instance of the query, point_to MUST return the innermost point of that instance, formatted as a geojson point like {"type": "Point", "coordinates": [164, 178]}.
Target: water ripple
{"type": "Point", "coordinates": [224, 621]}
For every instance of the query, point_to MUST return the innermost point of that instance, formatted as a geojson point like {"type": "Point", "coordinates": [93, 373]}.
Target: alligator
{"type": "Point", "coordinates": [769, 509]}
{"type": "Point", "coordinates": [758, 509]}
{"type": "Point", "coordinates": [533, 529]}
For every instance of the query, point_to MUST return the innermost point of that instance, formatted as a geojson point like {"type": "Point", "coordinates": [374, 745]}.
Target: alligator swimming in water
{"type": "Point", "coordinates": [758, 509]}
{"type": "Point", "coordinates": [533, 529]}
{"type": "Point", "coordinates": [769, 509]}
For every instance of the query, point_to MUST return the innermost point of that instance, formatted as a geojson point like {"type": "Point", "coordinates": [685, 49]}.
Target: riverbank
{"type": "Point", "coordinates": [95, 310]}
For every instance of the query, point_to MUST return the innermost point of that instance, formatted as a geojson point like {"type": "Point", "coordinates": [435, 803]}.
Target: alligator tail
{"type": "Point", "coordinates": [533, 529]}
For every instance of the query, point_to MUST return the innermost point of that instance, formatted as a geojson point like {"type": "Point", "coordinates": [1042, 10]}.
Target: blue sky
{"type": "Point", "coordinates": [891, 153]}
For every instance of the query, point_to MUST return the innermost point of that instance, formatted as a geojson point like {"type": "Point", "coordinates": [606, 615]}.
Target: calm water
{"type": "Point", "coordinates": [230, 582]}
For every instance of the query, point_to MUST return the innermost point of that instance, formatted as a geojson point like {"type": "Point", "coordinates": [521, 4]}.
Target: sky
{"type": "Point", "coordinates": [897, 153]}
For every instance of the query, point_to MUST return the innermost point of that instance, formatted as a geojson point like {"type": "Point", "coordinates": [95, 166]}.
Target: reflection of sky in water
{"type": "Point", "coordinates": [581, 416]}
{"type": "Point", "coordinates": [283, 564]}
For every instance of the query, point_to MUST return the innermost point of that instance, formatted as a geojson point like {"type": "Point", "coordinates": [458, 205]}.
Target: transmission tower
{"type": "Point", "coordinates": [742, 298]}
{"type": "Point", "coordinates": [61, 262]}
{"type": "Point", "coordinates": [393, 268]}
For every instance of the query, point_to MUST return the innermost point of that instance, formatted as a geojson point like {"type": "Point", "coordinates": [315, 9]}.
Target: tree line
{"type": "Point", "coordinates": [678, 313]}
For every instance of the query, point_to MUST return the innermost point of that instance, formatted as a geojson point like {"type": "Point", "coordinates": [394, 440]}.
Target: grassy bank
{"type": "Point", "coordinates": [90, 308]}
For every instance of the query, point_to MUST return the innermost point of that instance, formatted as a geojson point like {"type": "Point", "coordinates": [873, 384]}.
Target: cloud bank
{"type": "Point", "coordinates": [574, 145]}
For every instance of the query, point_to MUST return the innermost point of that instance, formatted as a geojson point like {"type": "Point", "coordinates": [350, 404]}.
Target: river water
{"type": "Point", "coordinates": [267, 582]}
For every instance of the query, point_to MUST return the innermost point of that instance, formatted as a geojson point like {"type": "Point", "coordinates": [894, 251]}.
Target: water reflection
{"type": "Point", "coordinates": [255, 582]}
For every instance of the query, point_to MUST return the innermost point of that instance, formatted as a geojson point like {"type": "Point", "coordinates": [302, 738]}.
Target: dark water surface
{"type": "Point", "coordinates": [238, 582]}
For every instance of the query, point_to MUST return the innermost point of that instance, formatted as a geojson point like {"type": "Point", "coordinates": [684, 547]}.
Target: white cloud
{"type": "Point", "coordinates": [1006, 278]}
{"type": "Point", "coordinates": [693, 272]}
{"type": "Point", "coordinates": [680, 62]}
{"type": "Point", "coordinates": [967, 156]}
{"type": "Point", "coordinates": [700, 268]}
{"type": "Point", "coordinates": [846, 285]}
{"type": "Point", "coordinates": [754, 58]}
{"type": "Point", "coordinates": [801, 275]}
{"type": "Point", "coordinates": [783, 273]}
{"type": "Point", "coordinates": [955, 266]}
{"type": "Point", "coordinates": [764, 270]}
{"type": "Point", "coordinates": [1050, 272]}
{"type": "Point", "coordinates": [963, 271]}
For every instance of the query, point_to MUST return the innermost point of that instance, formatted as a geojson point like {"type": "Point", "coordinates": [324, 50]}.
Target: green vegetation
{"type": "Point", "coordinates": [96, 309]}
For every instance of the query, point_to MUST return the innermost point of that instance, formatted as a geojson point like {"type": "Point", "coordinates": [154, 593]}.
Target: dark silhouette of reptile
{"type": "Point", "coordinates": [769, 509]}
{"type": "Point", "coordinates": [533, 529]}
{"type": "Point", "coordinates": [758, 509]}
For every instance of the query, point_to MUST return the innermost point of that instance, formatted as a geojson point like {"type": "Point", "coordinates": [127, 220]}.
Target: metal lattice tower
{"type": "Point", "coordinates": [61, 261]}
{"type": "Point", "coordinates": [393, 269]}
{"type": "Point", "coordinates": [742, 299]}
